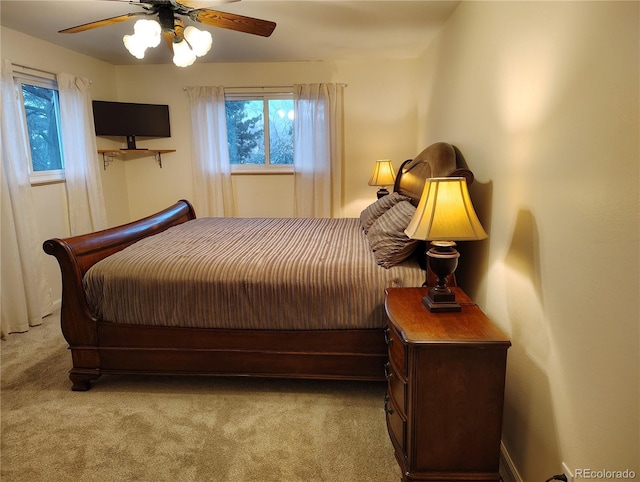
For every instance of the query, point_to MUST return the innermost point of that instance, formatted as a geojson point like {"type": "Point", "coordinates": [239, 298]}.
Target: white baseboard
{"type": "Point", "coordinates": [511, 474]}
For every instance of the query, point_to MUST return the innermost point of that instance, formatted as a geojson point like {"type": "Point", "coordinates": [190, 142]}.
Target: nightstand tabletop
{"type": "Point", "coordinates": [417, 324]}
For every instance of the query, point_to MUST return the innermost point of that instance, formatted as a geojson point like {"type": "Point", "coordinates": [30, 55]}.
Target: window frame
{"type": "Point", "coordinates": [47, 82]}
{"type": "Point", "coordinates": [264, 96]}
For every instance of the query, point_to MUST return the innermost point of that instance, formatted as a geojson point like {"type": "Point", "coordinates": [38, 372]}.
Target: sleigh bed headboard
{"type": "Point", "coordinates": [437, 160]}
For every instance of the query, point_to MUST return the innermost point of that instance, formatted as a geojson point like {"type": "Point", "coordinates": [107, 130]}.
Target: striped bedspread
{"type": "Point", "coordinates": [238, 273]}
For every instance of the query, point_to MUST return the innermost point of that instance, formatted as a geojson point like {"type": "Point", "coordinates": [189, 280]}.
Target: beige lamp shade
{"type": "Point", "coordinates": [383, 174]}
{"type": "Point", "coordinates": [445, 213]}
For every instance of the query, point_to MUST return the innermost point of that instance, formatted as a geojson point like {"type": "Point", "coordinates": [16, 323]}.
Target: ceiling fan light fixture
{"type": "Point", "coordinates": [183, 56]}
{"type": "Point", "coordinates": [199, 40]}
{"type": "Point", "coordinates": [148, 33]}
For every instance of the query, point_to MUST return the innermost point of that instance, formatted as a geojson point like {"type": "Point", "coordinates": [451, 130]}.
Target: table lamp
{"type": "Point", "coordinates": [383, 175]}
{"type": "Point", "coordinates": [444, 215]}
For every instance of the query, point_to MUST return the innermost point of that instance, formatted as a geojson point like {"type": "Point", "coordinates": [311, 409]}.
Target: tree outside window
{"type": "Point", "coordinates": [41, 117]}
{"type": "Point", "coordinates": [252, 141]}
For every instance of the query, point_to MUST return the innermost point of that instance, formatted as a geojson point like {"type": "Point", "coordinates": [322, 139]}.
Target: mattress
{"type": "Point", "coordinates": [248, 273]}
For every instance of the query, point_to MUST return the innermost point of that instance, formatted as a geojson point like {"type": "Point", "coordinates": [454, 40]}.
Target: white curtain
{"type": "Point", "coordinates": [87, 211]}
{"type": "Point", "coordinates": [318, 146]}
{"type": "Point", "coordinates": [24, 294]}
{"type": "Point", "coordinates": [212, 188]}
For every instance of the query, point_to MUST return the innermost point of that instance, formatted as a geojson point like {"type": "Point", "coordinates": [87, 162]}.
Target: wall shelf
{"type": "Point", "coordinates": [108, 155]}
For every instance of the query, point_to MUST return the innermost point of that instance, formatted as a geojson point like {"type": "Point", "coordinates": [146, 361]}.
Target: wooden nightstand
{"type": "Point", "coordinates": [445, 396]}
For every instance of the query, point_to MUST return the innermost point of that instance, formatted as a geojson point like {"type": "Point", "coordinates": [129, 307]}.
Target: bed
{"type": "Point", "coordinates": [172, 294]}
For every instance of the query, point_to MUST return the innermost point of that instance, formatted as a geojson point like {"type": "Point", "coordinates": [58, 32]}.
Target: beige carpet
{"type": "Point", "coordinates": [182, 428]}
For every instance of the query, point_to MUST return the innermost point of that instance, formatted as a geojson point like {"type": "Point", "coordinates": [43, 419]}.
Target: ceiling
{"type": "Point", "coordinates": [306, 29]}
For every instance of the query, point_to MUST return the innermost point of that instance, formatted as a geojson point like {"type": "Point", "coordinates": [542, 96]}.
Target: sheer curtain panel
{"type": "Point", "coordinates": [24, 294]}
{"type": "Point", "coordinates": [317, 158]}
{"type": "Point", "coordinates": [87, 211]}
{"type": "Point", "coordinates": [212, 188]}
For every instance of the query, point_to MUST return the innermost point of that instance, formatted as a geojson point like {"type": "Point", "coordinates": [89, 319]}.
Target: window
{"type": "Point", "coordinates": [256, 145]}
{"type": "Point", "coordinates": [41, 121]}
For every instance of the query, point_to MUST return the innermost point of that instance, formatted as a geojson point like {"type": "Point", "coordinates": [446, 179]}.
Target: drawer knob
{"type": "Point", "coordinates": [387, 373]}
{"type": "Point", "coordinates": [388, 410]}
{"type": "Point", "coordinates": [388, 340]}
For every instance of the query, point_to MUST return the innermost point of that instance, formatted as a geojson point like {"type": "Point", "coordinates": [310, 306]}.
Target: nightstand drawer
{"type": "Point", "coordinates": [396, 425]}
{"type": "Point", "coordinates": [397, 351]}
{"type": "Point", "coordinates": [397, 387]}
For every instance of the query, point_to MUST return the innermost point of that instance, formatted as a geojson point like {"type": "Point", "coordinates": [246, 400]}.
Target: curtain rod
{"type": "Point", "coordinates": [253, 87]}
{"type": "Point", "coordinates": [262, 86]}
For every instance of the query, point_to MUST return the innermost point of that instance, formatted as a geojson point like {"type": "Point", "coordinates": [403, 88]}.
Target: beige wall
{"type": "Point", "coordinates": [542, 100]}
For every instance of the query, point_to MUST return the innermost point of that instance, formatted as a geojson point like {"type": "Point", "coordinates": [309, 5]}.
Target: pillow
{"type": "Point", "coordinates": [386, 236]}
{"type": "Point", "coordinates": [378, 208]}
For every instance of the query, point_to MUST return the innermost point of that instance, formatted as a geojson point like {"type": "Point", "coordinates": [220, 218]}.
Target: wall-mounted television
{"type": "Point", "coordinates": [130, 120]}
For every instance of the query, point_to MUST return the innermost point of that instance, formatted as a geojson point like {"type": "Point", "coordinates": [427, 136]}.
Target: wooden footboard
{"type": "Point", "coordinates": [75, 256]}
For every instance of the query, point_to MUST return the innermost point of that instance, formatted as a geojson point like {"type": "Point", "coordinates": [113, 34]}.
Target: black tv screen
{"type": "Point", "coordinates": [131, 119]}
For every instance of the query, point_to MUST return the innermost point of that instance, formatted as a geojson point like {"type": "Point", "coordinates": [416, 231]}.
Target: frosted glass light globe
{"type": "Point", "coordinates": [199, 40]}
{"type": "Point", "coordinates": [183, 56]}
{"type": "Point", "coordinates": [135, 45]}
{"type": "Point", "coordinates": [149, 31]}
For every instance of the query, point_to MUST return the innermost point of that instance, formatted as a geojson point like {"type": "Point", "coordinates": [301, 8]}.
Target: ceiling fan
{"type": "Point", "coordinates": [172, 27]}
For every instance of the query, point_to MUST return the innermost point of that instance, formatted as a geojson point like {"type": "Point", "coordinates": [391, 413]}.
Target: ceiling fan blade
{"type": "Point", "coordinates": [102, 23]}
{"type": "Point", "coordinates": [233, 21]}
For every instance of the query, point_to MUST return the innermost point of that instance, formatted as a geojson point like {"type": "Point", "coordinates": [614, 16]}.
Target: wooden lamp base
{"type": "Point", "coordinates": [443, 261]}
